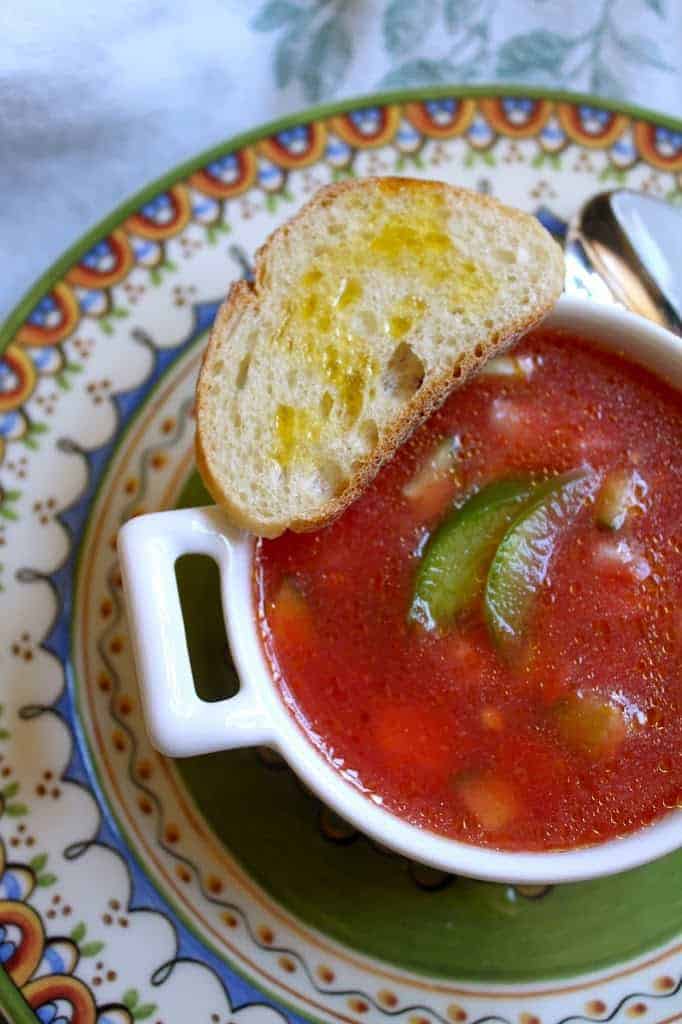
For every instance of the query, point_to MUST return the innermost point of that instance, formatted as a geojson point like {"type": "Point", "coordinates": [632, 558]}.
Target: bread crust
{"type": "Point", "coordinates": [244, 294]}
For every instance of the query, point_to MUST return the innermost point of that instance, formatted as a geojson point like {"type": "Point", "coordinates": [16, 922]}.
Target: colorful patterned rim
{"type": "Point", "coordinates": [124, 894]}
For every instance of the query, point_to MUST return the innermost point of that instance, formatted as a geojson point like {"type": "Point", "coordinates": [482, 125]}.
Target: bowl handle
{"type": "Point", "coordinates": [179, 723]}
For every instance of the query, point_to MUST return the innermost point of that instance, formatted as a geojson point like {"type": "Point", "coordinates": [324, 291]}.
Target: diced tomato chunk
{"type": "Point", "coordinates": [492, 800]}
{"type": "Point", "coordinates": [412, 735]}
{"type": "Point", "coordinates": [433, 486]}
{"type": "Point", "coordinates": [291, 618]}
{"type": "Point", "coordinates": [459, 654]}
{"type": "Point", "coordinates": [512, 420]}
{"type": "Point", "coordinates": [434, 497]}
{"type": "Point", "coordinates": [621, 558]}
{"type": "Point", "coordinates": [492, 719]}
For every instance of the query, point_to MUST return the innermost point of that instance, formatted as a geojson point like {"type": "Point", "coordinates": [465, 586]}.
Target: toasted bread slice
{"type": "Point", "coordinates": [377, 299]}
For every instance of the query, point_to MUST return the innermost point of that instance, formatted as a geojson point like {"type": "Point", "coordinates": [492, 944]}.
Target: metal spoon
{"type": "Point", "coordinates": [626, 247]}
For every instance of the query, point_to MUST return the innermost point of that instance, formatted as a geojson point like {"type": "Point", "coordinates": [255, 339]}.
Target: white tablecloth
{"type": "Point", "coordinates": [97, 98]}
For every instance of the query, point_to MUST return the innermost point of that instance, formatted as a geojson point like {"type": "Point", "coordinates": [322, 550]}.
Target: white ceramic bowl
{"type": "Point", "coordinates": [180, 724]}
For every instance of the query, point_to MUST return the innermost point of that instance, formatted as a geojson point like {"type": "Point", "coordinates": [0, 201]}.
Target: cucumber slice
{"type": "Point", "coordinates": [522, 559]}
{"type": "Point", "coordinates": [452, 571]}
{"type": "Point", "coordinates": [622, 491]}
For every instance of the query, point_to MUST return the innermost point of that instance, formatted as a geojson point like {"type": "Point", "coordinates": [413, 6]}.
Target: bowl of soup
{"type": "Point", "coordinates": [480, 663]}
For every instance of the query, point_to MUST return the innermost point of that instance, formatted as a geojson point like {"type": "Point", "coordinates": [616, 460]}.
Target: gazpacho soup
{"type": "Point", "coordinates": [488, 643]}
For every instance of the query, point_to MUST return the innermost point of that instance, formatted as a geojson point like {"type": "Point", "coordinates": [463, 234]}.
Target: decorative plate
{"type": "Point", "coordinates": [217, 889]}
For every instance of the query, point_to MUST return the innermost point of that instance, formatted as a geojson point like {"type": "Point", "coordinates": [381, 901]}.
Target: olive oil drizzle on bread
{"type": "Point", "coordinates": [367, 308]}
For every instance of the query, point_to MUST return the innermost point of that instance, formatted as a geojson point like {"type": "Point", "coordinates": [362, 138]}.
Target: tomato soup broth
{"type": "Point", "coordinates": [488, 643]}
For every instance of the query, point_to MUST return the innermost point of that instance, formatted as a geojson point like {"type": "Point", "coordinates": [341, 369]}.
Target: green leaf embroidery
{"type": "Point", "coordinates": [419, 72]}
{"type": "Point", "coordinates": [657, 6]}
{"type": "Point", "coordinates": [538, 50]}
{"type": "Point", "coordinates": [610, 173]}
{"type": "Point", "coordinates": [604, 81]}
{"type": "Point", "coordinates": [155, 277]}
{"type": "Point", "coordinates": [8, 513]}
{"type": "Point", "coordinates": [38, 428]}
{"type": "Point", "coordinates": [106, 326]}
{"type": "Point", "coordinates": [78, 933]}
{"type": "Point", "coordinates": [643, 50]}
{"type": "Point", "coordinates": [327, 59]}
{"type": "Point", "coordinates": [460, 13]}
{"type": "Point", "coordinates": [120, 312]}
{"type": "Point", "coordinates": [275, 14]}
{"type": "Point", "coordinates": [12, 495]}
{"type": "Point", "coordinates": [45, 880]}
{"type": "Point", "coordinates": [130, 998]}
{"type": "Point", "coordinates": [16, 810]}
{"type": "Point", "coordinates": [10, 790]}
{"type": "Point", "coordinates": [288, 55]}
{"type": "Point", "coordinates": [404, 25]}
{"type": "Point", "coordinates": [339, 173]}
{"type": "Point", "coordinates": [144, 1011]}
{"type": "Point", "coordinates": [38, 862]}
{"type": "Point", "coordinates": [91, 948]}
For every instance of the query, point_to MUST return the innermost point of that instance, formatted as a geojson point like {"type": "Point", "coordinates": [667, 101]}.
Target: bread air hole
{"type": "Point", "coordinates": [331, 478]}
{"type": "Point", "coordinates": [243, 371]}
{"type": "Point", "coordinates": [369, 435]}
{"type": "Point", "coordinates": [326, 404]}
{"type": "Point", "coordinates": [404, 373]}
{"type": "Point", "coordinates": [368, 321]}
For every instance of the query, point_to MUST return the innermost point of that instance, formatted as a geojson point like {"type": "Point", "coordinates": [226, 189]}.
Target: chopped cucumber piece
{"type": "Point", "coordinates": [491, 799]}
{"type": "Point", "coordinates": [588, 725]}
{"type": "Point", "coordinates": [621, 491]}
{"type": "Point", "coordinates": [522, 559]}
{"type": "Point", "coordinates": [439, 463]}
{"type": "Point", "coordinates": [452, 570]}
{"type": "Point", "coordinates": [521, 367]}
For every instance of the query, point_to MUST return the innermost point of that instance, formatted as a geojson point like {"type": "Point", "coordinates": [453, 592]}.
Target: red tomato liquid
{"type": "Point", "coordinates": [417, 719]}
